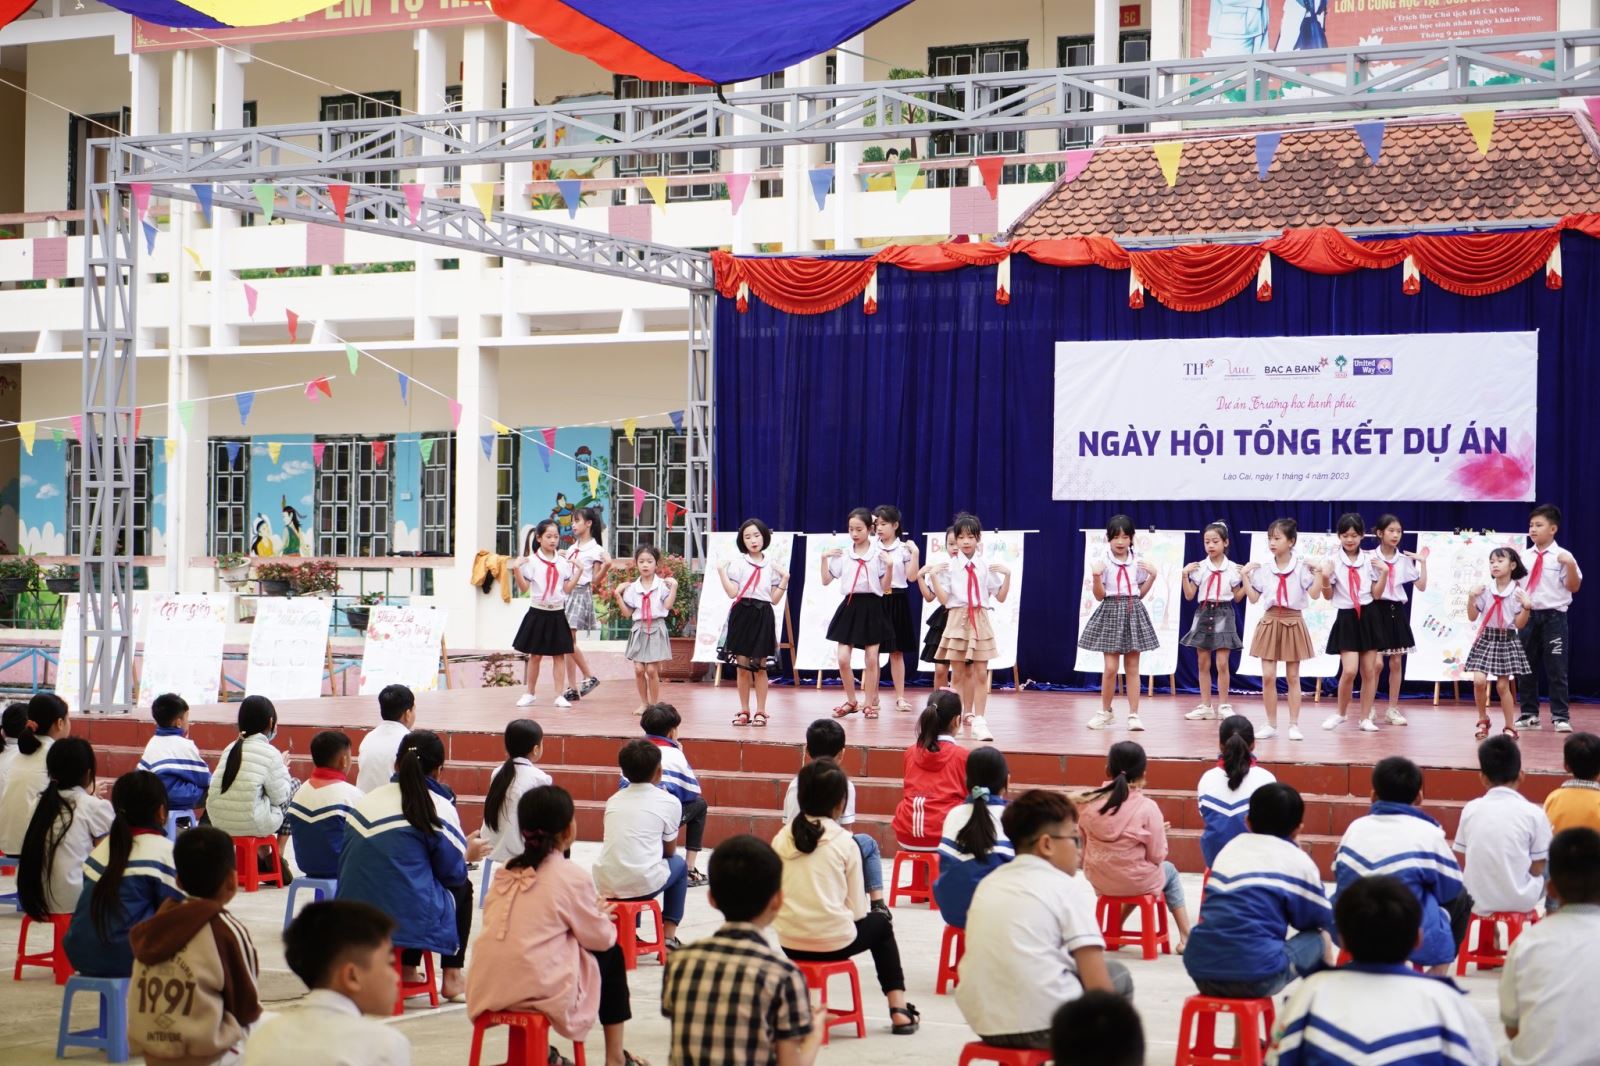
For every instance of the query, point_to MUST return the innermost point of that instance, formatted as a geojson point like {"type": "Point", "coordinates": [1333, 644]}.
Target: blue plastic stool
{"type": "Point", "coordinates": [111, 1034]}
{"type": "Point", "coordinates": [483, 883]}
{"type": "Point", "coordinates": [324, 887]}
{"type": "Point", "coordinates": [8, 866]}
{"type": "Point", "coordinates": [172, 822]}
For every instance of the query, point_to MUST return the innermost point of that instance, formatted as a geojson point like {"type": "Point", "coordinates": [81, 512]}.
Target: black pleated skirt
{"type": "Point", "coordinates": [861, 622]}
{"type": "Point", "coordinates": [543, 633]}
{"type": "Point", "coordinates": [751, 632]}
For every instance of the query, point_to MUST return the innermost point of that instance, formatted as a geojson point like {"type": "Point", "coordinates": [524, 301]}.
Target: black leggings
{"type": "Point", "coordinates": [615, 1007]}
{"type": "Point", "coordinates": [694, 824]}
{"type": "Point", "coordinates": [462, 894]}
{"type": "Point", "coordinates": [874, 933]}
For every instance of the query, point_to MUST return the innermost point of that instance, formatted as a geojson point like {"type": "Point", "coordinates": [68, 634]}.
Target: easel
{"type": "Point", "coordinates": [444, 661]}
{"type": "Point", "coordinates": [785, 643]}
{"type": "Point", "coordinates": [1455, 691]}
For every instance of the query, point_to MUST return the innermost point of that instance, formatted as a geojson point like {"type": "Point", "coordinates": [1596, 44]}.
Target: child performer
{"type": "Point", "coordinates": [549, 578]}
{"type": "Point", "coordinates": [647, 601]}
{"type": "Point", "coordinates": [860, 621]}
{"type": "Point", "coordinates": [1281, 635]}
{"type": "Point", "coordinates": [1497, 653]}
{"type": "Point", "coordinates": [1120, 627]}
{"type": "Point", "coordinates": [1553, 578]}
{"type": "Point", "coordinates": [904, 562]}
{"type": "Point", "coordinates": [1389, 624]}
{"type": "Point", "coordinates": [750, 641]}
{"type": "Point", "coordinates": [968, 641]}
{"type": "Point", "coordinates": [927, 576]}
{"type": "Point", "coordinates": [1216, 583]}
{"type": "Point", "coordinates": [1351, 585]}
{"type": "Point", "coordinates": [589, 556]}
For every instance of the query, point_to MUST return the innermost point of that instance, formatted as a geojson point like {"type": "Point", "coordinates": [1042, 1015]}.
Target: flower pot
{"type": "Point", "coordinates": [61, 585]}
{"type": "Point", "coordinates": [274, 588]}
{"type": "Point", "coordinates": [234, 573]}
{"type": "Point", "coordinates": [682, 667]}
{"type": "Point", "coordinates": [12, 586]}
{"type": "Point", "coordinates": [357, 617]}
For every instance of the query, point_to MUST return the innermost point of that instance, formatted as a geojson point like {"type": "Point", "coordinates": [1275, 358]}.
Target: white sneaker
{"type": "Point", "coordinates": [1295, 734]}
{"type": "Point", "coordinates": [527, 699]}
{"type": "Point", "coordinates": [1563, 725]}
{"type": "Point", "coordinates": [562, 701]}
{"type": "Point", "coordinates": [1101, 719]}
{"type": "Point", "coordinates": [980, 728]}
{"type": "Point", "coordinates": [1202, 713]}
{"type": "Point", "coordinates": [1333, 721]}
{"type": "Point", "coordinates": [1224, 710]}
{"type": "Point", "coordinates": [1369, 725]}
{"type": "Point", "coordinates": [1394, 716]}
{"type": "Point", "coordinates": [1266, 732]}
{"type": "Point", "coordinates": [1134, 724]}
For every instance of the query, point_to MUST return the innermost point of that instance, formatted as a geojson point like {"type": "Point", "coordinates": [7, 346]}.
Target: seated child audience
{"type": "Point", "coordinates": [398, 709]}
{"type": "Point", "coordinates": [342, 951]}
{"type": "Point", "coordinates": [1097, 1029]}
{"type": "Point", "coordinates": [126, 878]}
{"type": "Point", "coordinates": [68, 821]}
{"type": "Point", "coordinates": [935, 776]}
{"type": "Point", "coordinates": [317, 814]}
{"type": "Point", "coordinates": [548, 943]}
{"type": "Point", "coordinates": [1032, 939]}
{"type": "Point", "coordinates": [973, 843]}
{"type": "Point", "coordinates": [1503, 838]}
{"type": "Point", "coordinates": [1261, 883]}
{"type": "Point", "coordinates": [1125, 837]}
{"type": "Point", "coordinates": [46, 723]}
{"type": "Point", "coordinates": [825, 916]}
{"type": "Point", "coordinates": [1397, 839]}
{"type": "Point", "coordinates": [729, 996]}
{"type": "Point", "coordinates": [1577, 802]}
{"type": "Point", "coordinates": [660, 723]}
{"type": "Point", "coordinates": [825, 740]}
{"type": "Point", "coordinates": [13, 724]}
{"type": "Point", "coordinates": [173, 757]}
{"type": "Point", "coordinates": [251, 790]}
{"type": "Point", "coordinates": [1547, 986]}
{"type": "Point", "coordinates": [198, 948]}
{"type": "Point", "coordinates": [638, 850]}
{"type": "Point", "coordinates": [524, 745]}
{"type": "Point", "coordinates": [1377, 1009]}
{"type": "Point", "coordinates": [407, 856]}
{"type": "Point", "coordinates": [1226, 788]}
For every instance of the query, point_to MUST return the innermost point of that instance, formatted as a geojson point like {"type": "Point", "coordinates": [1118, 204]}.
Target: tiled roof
{"type": "Point", "coordinates": [1541, 164]}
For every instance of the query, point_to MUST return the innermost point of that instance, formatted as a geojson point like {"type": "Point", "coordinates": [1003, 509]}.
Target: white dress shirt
{"type": "Point", "coordinates": [326, 1029]}
{"type": "Point", "coordinates": [1502, 834]}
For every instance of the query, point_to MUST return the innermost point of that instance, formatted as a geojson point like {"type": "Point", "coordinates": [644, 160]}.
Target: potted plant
{"type": "Point", "coordinates": [500, 670]}
{"type": "Point", "coordinates": [361, 611]}
{"type": "Point", "coordinates": [316, 577]}
{"type": "Point", "coordinates": [276, 578]}
{"type": "Point", "coordinates": [61, 579]}
{"type": "Point", "coordinates": [233, 567]}
{"type": "Point", "coordinates": [680, 617]}
{"type": "Point", "coordinates": [18, 574]}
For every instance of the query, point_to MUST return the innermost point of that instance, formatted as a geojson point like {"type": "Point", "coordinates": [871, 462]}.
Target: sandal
{"type": "Point", "coordinates": [905, 1028]}
{"type": "Point", "coordinates": [1511, 731]}
{"type": "Point", "coordinates": [696, 878]}
{"type": "Point", "coordinates": [630, 1059]}
{"type": "Point", "coordinates": [760, 718]}
{"type": "Point", "coordinates": [871, 711]}
{"type": "Point", "coordinates": [902, 705]}
{"type": "Point", "coordinates": [743, 718]}
{"type": "Point", "coordinates": [1482, 731]}
{"type": "Point", "coordinates": [845, 709]}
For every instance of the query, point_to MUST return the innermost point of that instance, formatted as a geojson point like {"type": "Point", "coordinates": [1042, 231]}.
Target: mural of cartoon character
{"type": "Point", "coordinates": [262, 543]}
{"type": "Point", "coordinates": [562, 513]}
{"type": "Point", "coordinates": [293, 538]}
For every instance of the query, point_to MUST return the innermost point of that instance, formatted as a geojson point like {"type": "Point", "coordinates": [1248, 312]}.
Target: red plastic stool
{"type": "Point", "coordinates": [527, 1038]}
{"type": "Point", "coordinates": [245, 850]}
{"type": "Point", "coordinates": [1197, 1031]}
{"type": "Point", "coordinates": [55, 959]}
{"type": "Point", "coordinates": [978, 1051]}
{"type": "Point", "coordinates": [924, 868]}
{"type": "Point", "coordinates": [951, 948]}
{"type": "Point", "coordinates": [633, 945]}
{"type": "Point", "coordinates": [428, 986]}
{"type": "Point", "coordinates": [1485, 955]}
{"type": "Point", "coordinates": [1152, 934]}
{"type": "Point", "coordinates": [816, 976]}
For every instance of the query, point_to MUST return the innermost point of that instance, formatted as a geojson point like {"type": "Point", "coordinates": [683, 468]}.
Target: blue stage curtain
{"type": "Point", "coordinates": [943, 401]}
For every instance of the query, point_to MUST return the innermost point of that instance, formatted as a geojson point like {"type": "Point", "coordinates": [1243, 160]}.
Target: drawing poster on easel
{"type": "Point", "coordinates": [403, 647]}
{"type": "Point", "coordinates": [183, 648]}
{"type": "Point", "coordinates": [69, 664]}
{"type": "Point", "coordinates": [712, 614]}
{"type": "Point", "coordinates": [288, 648]}
{"type": "Point", "coordinates": [999, 546]}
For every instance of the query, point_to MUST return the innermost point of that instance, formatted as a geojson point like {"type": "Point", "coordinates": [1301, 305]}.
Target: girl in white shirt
{"type": "Point", "coordinates": [47, 722]}
{"type": "Point", "coordinates": [903, 561]}
{"type": "Point", "coordinates": [968, 590]}
{"type": "Point", "coordinates": [860, 621]}
{"type": "Point", "coordinates": [646, 601]}
{"type": "Point", "coordinates": [1352, 585]}
{"type": "Point", "coordinates": [1391, 628]}
{"type": "Point", "coordinates": [69, 820]}
{"type": "Point", "coordinates": [1120, 628]}
{"type": "Point", "coordinates": [549, 578]}
{"type": "Point", "coordinates": [1505, 607]}
{"type": "Point", "coordinates": [13, 724]}
{"type": "Point", "coordinates": [1288, 582]}
{"type": "Point", "coordinates": [518, 774]}
{"type": "Point", "coordinates": [750, 639]}
{"type": "Point", "coordinates": [588, 554]}
{"type": "Point", "coordinates": [1215, 583]}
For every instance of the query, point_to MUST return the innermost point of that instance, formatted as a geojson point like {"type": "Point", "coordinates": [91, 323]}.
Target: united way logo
{"type": "Point", "coordinates": [1375, 367]}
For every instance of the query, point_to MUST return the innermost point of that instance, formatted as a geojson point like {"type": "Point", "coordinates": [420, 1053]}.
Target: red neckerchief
{"type": "Point", "coordinates": [549, 576]}
{"type": "Point", "coordinates": [648, 595]}
{"type": "Point", "coordinates": [1214, 579]}
{"type": "Point", "coordinates": [1538, 570]}
{"type": "Point", "coordinates": [324, 773]}
{"type": "Point", "coordinates": [1355, 592]}
{"type": "Point", "coordinates": [973, 594]}
{"type": "Point", "coordinates": [861, 568]}
{"type": "Point", "coordinates": [1122, 574]}
{"type": "Point", "coordinates": [755, 575]}
{"type": "Point", "coordinates": [1496, 610]}
{"type": "Point", "coordinates": [1282, 598]}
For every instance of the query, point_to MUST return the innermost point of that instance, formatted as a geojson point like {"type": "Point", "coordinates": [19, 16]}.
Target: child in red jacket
{"type": "Point", "coordinates": [936, 776]}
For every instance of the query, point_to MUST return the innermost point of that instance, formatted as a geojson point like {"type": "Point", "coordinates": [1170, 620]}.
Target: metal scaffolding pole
{"type": "Point", "coordinates": [702, 324]}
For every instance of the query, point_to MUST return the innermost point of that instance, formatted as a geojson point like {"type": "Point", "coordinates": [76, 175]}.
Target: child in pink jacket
{"type": "Point", "coordinates": [548, 943]}
{"type": "Point", "coordinates": [1125, 839]}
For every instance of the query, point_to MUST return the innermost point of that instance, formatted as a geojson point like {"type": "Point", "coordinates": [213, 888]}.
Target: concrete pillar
{"type": "Point", "coordinates": [744, 161]}
{"type": "Point", "coordinates": [520, 69]}
{"type": "Point", "coordinates": [800, 207]}
{"type": "Point", "coordinates": [144, 71]}
{"type": "Point", "coordinates": [1107, 38]}
{"type": "Point", "coordinates": [227, 114]}
{"type": "Point", "coordinates": [849, 69]}
{"type": "Point", "coordinates": [429, 46]}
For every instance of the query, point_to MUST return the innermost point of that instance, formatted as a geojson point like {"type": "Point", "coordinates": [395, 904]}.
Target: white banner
{"type": "Point", "coordinates": [712, 614]}
{"type": "Point", "coordinates": [1003, 546]}
{"type": "Point", "coordinates": [813, 650]}
{"type": "Point", "coordinates": [1457, 563]}
{"type": "Point", "coordinates": [288, 647]}
{"type": "Point", "coordinates": [1376, 417]}
{"type": "Point", "coordinates": [402, 648]}
{"type": "Point", "coordinates": [183, 647]}
{"type": "Point", "coordinates": [1319, 613]}
{"type": "Point", "coordinates": [69, 662]}
{"type": "Point", "coordinates": [1163, 549]}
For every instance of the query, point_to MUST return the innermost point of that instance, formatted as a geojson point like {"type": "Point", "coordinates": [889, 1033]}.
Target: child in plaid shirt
{"type": "Point", "coordinates": [731, 997]}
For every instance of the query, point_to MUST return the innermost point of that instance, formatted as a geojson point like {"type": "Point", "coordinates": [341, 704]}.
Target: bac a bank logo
{"type": "Point", "coordinates": [1377, 366]}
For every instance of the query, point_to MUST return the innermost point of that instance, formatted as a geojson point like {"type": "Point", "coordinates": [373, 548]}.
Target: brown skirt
{"type": "Point", "coordinates": [967, 639]}
{"type": "Point", "coordinates": [1282, 636]}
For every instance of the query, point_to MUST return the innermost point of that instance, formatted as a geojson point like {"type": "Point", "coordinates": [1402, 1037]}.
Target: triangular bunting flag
{"type": "Point", "coordinates": [821, 180]}
{"type": "Point", "coordinates": [1076, 163]}
{"type": "Point", "coordinates": [311, 390]}
{"type": "Point", "coordinates": [59, 436]}
{"type": "Point", "coordinates": [245, 400]}
{"type": "Point", "coordinates": [905, 177]}
{"type": "Point", "coordinates": [317, 448]}
{"type": "Point", "coordinates": [250, 298]}
{"type": "Point", "coordinates": [203, 194]}
{"type": "Point", "coordinates": [629, 426]}
{"type": "Point", "coordinates": [657, 187]}
{"type": "Point", "coordinates": [594, 481]}
{"type": "Point", "coordinates": [1371, 134]}
{"type": "Point", "coordinates": [186, 413]}
{"type": "Point", "coordinates": [677, 420]}
{"type": "Point", "coordinates": [673, 511]}
{"type": "Point", "coordinates": [322, 333]}
{"type": "Point", "coordinates": [1481, 123]}
{"type": "Point", "coordinates": [138, 417]}
{"type": "Point", "coordinates": [353, 356]}
{"type": "Point", "coordinates": [483, 196]}
{"type": "Point", "coordinates": [425, 446]}
{"type": "Point", "coordinates": [326, 386]}
{"type": "Point", "coordinates": [405, 389]}
{"type": "Point", "coordinates": [380, 448]}
{"type": "Point", "coordinates": [339, 197]}
{"type": "Point", "coordinates": [1266, 148]}
{"type": "Point", "coordinates": [543, 444]}
{"type": "Point", "coordinates": [638, 502]}
{"type": "Point", "coordinates": [1169, 154]}
{"type": "Point", "coordinates": [486, 442]}
{"type": "Point", "coordinates": [274, 449]}
{"type": "Point", "coordinates": [989, 168]}
{"type": "Point", "coordinates": [234, 447]}
{"type": "Point", "coordinates": [194, 257]}
{"type": "Point", "coordinates": [149, 237]}
{"type": "Point", "coordinates": [171, 447]}
{"type": "Point", "coordinates": [571, 194]}
{"type": "Point", "coordinates": [549, 435]}
{"type": "Point", "coordinates": [141, 198]}
{"type": "Point", "coordinates": [77, 427]}
{"type": "Point", "coordinates": [413, 194]}
{"type": "Point", "coordinates": [294, 325]}
{"type": "Point", "coordinates": [499, 427]}
{"type": "Point", "coordinates": [27, 430]}
{"type": "Point", "coordinates": [455, 414]}
{"type": "Point", "coordinates": [266, 196]}
{"type": "Point", "coordinates": [738, 185]}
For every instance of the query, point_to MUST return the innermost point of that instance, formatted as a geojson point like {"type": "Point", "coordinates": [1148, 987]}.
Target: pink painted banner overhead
{"type": "Point", "coordinates": [341, 18]}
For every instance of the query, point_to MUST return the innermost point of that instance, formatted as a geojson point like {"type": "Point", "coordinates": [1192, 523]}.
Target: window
{"type": "Point", "coordinates": [141, 497]}
{"type": "Point", "coordinates": [507, 453]}
{"type": "Point", "coordinates": [349, 108]}
{"type": "Point", "coordinates": [959, 61]}
{"type": "Point", "coordinates": [229, 497]}
{"type": "Point", "coordinates": [656, 461]}
{"type": "Point", "coordinates": [354, 498]}
{"type": "Point", "coordinates": [80, 131]}
{"type": "Point", "coordinates": [438, 497]}
{"type": "Point", "coordinates": [1134, 47]}
{"type": "Point", "coordinates": [1076, 52]}
{"type": "Point", "coordinates": [772, 154]}
{"type": "Point", "coordinates": [650, 164]}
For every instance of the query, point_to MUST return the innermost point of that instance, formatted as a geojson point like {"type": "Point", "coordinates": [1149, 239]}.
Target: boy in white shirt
{"type": "Point", "coordinates": [1032, 939]}
{"type": "Point", "coordinates": [341, 950]}
{"type": "Point", "coordinates": [376, 761]}
{"type": "Point", "coordinates": [1503, 838]}
{"type": "Point", "coordinates": [638, 854]}
{"type": "Point", "coordinates": [1553, 579]}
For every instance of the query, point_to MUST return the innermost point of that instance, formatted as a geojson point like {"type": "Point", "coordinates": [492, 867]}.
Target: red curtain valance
{"type": "Point", "coordinates": [1192, 277]}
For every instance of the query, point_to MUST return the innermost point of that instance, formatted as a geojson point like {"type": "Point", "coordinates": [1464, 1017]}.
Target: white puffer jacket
{"type": "Point", "coordinates": [254, 804]}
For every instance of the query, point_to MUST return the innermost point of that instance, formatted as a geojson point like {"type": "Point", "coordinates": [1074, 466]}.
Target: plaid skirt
{"type": "Point", "coordinates": [1118, 626]}
{"type": "Point", "coordinates": [1214, 627]}
{"type": "Point", "coordinates": [1497, 653]}
{"type": "Point", "coordinates": [580, 609]}
{"type": "Point", "coordinates": [648, 642]}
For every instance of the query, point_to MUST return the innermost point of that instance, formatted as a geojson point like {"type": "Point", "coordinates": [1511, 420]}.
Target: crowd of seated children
{"type": "Point", "coordinates": [825, 740]}
{"type": "Point", "coordinates": [319, 810]}
{"type": "Point", "coordinates": [973, 843]}
{"type": "Point", "coordinates": [638, 848]}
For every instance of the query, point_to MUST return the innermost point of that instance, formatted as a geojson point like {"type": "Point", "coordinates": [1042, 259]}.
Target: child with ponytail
{"type": "Point", "coordinates": [589, 557]}
{"type": "Point", "coordinates": [1226, 788]}
{"type": "Point", "coordinates": [128, 875]}
{"type": "Point", "coordinates": [516, 776]}
{"type": "Point", "coordinates": [935, 775]}
{"type": "Point", "coordinates": [409, 859]}
{"type": "Point", "coordinates": [13, 723]}
{"type": "Point", "coordinates": [251, 790]}
{"type": "Point", "coordinates": [973, 843]}
{"type": "Point", "coordinates": [45, 723]}
{"type": "Point", "coordinates": [1125, 837]}
{"type": "Point", "coordinates": [549, 578]}
{"type": "Point", "coordinates": [548, 943]}
{"type": "Point", "coordinates": [67, 823]}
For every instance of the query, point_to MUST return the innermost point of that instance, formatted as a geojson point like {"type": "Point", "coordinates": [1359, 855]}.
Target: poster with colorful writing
{"type": "Point", "coordinates": [1319, 613]}
{"type": "Point", "coordinates": [813, 650]}
{"type": "Point", "coordinates": [1162, 549]}
{"type": "Point", "coordinates": [70, 665]}
{"type": "Point", "coordinates": [1457, 563]}
{"type": "Point", "coordinates": [183, 647]}
{"type": "Point", "coordinates": [1237, 27]}
{"type": "Point", "coordinates": [288, 647]}
{"type": "Point", "coordinates": [403, 646]}
{"type": "Point", "coordinates": [1004, 546]}
{"type": "Point", "coordinates": [715, 603]}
